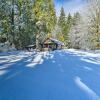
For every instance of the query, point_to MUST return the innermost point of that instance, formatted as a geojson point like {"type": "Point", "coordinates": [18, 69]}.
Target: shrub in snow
{"type": "Point", "coordinates": [4, 47]}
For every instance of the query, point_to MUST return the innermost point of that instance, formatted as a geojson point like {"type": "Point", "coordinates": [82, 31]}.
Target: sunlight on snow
{"type": "Point", "coordinates": [88, 68]}
{"type": "Point", "coordinates": [92, 95]}
{"type": "Point", "coordinates": [91, 60]}
{"type": "Point", "coordinates": [89, 57]}
{"type": "Point", "coordinates": [2, 72]}
{"type": "Point", "coordinates": [83, 53]}
{"type": "Point", "coordinates": [37, 60]}
{"type": "Point", "coordinates": [8, 59]}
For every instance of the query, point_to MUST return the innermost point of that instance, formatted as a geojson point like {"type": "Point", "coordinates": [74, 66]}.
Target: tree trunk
{"type": "Point", "coordinates": [37, 42]}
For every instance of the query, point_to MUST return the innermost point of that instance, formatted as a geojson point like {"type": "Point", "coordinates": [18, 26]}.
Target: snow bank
{"type": "Point", "coordinates": [87, 56]}
{"type": "Point", "coordinates": [84, 53]}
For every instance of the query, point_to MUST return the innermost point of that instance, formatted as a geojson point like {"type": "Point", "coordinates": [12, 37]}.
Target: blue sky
{"type": "Point", "coordinates": [71, 6]}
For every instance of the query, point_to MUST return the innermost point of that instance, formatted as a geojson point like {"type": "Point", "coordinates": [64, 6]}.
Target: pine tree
{"type": "Point", "coordinates": [45, 17]}
{"type": "Point", "coordinates": [45, 12]}
{"type": "Point", "coordinates": [52, 15]}
{"type": "Point", "coordinates": [62, 23]}
{"type": "Point", "coordinates": [65, 25]}
{"type": "Point", "coordinates": [76, 18]}
{"type": "Point", "coordinates": [21, 20]}
{"type": "Point", "coordinates": [68, 28]}
{"type": "Point", "coordinates": [94, 23]}
{"type": "Point", "coordinates": [17, 22]}
{"type": "Point", "coordinates": [4, 19]}
{"type": "Point", "coordinates": [69, 20]}
{"type": "Point", "coordinates": [62, 20]}
{"type": "Point", "coordinates": [75, 31]}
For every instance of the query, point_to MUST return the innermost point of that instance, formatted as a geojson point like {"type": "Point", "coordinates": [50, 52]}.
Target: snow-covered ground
{"type": "Point", "coordinates": [92, 56]}
{"type": "Point", "coordinates": [59, 75]}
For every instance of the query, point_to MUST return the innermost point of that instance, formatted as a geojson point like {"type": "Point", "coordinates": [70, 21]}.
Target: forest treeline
{"type": "Point", "coordinates": [25, 22]}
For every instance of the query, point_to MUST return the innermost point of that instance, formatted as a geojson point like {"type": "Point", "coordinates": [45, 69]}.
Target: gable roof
{"type": "Point", "coordinates": [57, 41]}
{"type": "Point", "coordinates": [54, 40]}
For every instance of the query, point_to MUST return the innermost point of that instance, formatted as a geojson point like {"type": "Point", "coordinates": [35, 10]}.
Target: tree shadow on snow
{"type": "Point", "coordinates": [61, 76]}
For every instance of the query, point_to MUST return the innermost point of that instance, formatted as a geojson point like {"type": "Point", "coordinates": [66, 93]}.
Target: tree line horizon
{"type": "Point", "coordinates": [25, 22]}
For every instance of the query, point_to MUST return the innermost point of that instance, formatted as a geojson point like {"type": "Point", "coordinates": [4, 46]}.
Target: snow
{"type": "Point", "coordinates": [4, 47]}
{"type": "Point", "coordinates": [90, 57]}
{"type": "Point", "coordinates": [87, 68]}
{"type": "Point", "coordinates": [84, 53]}
{"type": "Point", "coordinates": [59, 75]}
{"type": "Point", "coordinates": [2, 72]}
{"type": "Point", "coordinates": [84, 87]}
{"type": "Point", "coordinates": [57, 41]}
{"type": "Point", "coordinates": [8, 59]}
{"type": "Point", "coordinates": [37, 60]}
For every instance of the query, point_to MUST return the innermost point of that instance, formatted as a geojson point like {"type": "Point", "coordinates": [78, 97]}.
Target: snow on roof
{"type": "Point", "coordinates": [31, 45]}
{"type": "Point", "coordinates": [57, 41]}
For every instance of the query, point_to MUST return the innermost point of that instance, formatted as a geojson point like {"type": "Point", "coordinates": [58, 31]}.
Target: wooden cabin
{"type": "Point", "coordinates": [51, 44]}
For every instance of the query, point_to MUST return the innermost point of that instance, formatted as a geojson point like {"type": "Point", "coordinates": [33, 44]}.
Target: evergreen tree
{"type": "Point", "coordinates": [76, 18]}
{"type": "Point", "coordinates": [62, 20]}
{"type": "Point", "coordinates": [45, 12]}
{"type": "Point", "coordinates": [45, 17]}
{"type": "Point", "coordinates": [62, 23]}
{"type": "Point", "coordinates": [75, 32]}
{"type": "Point", "coordinates": [25, 23]}
{"type": "Point", "coordinates": [4, 19]}
{"type": "Point", "coordinates": [17, 22]}
{"type": "Point", "coordinates": [69, 21]}
{"type": "Point", "coordinates": [65, 25]}
{"type": "Point", "coordinates": [93, 19]}
{"type": "Point", "coordinates": [68, 28]}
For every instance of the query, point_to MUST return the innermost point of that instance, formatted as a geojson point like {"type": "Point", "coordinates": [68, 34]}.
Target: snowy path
{"type": "Point", "coordinates": [59, 75]}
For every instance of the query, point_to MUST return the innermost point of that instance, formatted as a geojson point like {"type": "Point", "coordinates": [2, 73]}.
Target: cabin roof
{"type": "Point", "coordinates": [57, 41]}
{"type": "Point", "coordinates": [49, 40]}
